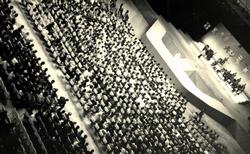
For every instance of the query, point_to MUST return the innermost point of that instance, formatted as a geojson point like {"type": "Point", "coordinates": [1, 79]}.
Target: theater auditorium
{"type": "Point", "coordinates": [124, 77]}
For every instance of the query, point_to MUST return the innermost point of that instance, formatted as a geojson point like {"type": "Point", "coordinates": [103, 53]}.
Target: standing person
{"type": "Point", "coordinates": [209, 54]}
{"type": "Point", "coordinates": [220, 61]}
{"type": "Point", "coordinates": [200, 114]}
{"type": "Point", "coordinates": [206, 47]}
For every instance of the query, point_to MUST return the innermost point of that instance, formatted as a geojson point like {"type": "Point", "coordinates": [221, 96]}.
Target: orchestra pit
{"type": "Point", "coordinates": [124, 77]}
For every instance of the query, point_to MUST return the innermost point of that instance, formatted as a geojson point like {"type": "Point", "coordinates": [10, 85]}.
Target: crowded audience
{"type": "Point", "coordinates": [132, 105]}
{"type": "Point", "coordinates": [32, 115]}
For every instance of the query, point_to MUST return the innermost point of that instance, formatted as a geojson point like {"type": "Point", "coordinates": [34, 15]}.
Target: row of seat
{"type": "Point", "coordinates": [40, 124]}
{"type": "Point", "coordinates": [132, 105]}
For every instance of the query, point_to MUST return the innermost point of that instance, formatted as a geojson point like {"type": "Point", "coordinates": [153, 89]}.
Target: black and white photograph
{"type": "Point", "coordinates": [124, 77]}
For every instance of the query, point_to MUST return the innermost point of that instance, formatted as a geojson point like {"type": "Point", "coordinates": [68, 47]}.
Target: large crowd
{"type": "Point", "coordinates": [132, 105]}
{"type": "Point", "coordinates": [32, 118]}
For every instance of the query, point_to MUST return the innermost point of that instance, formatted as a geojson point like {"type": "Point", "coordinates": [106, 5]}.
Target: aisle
{"type": "Point", "coordinates": [56, 75]}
